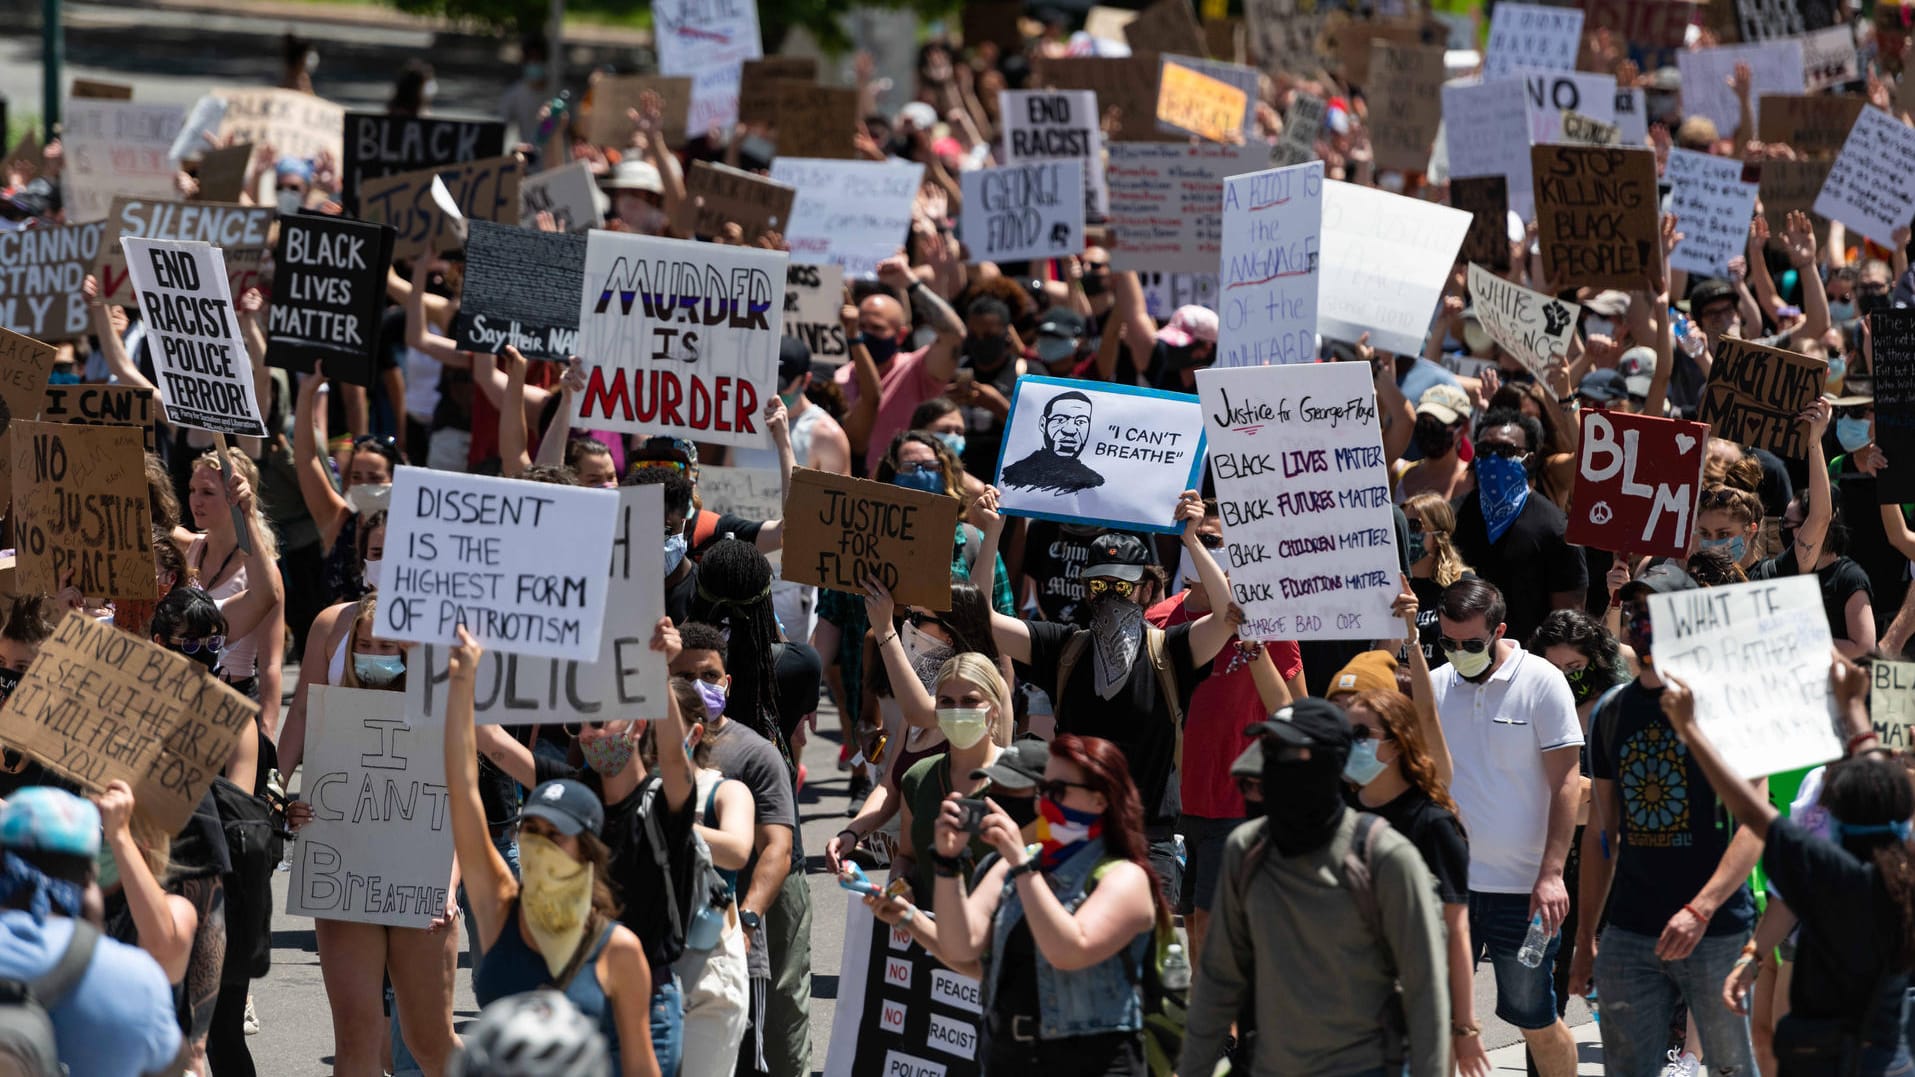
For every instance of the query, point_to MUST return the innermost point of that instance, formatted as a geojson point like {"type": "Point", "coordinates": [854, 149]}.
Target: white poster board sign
{"type": "Point", "coordinates": [1083, 451]}
{"type": "Point", "coordinates": [379, 847]}
{"type": "Point", "coordinates": [116, 148]}
{"type": "Point", "coordinates": [1756, 655]}
{"type": "Point", "coordinates": [1166, 203]}
{"type": "Point", "coordinates": [1774, 66]}
{"type": "Point", "coordinates": [682, 337]}
{"type": "Point", "coordinates": [814, 295]}
{"type": "Point", "coordinates": [517, 563]}
{"type": "Point", "coordinates": [204, 373]}
{"type": "Point", "coordinates": [852, 214]}
{"type": "Point", "coordinates": [1871, 187]}
{"type": "Point", "coordinates": [1532, 36]}
{"type": "Point", "coordinates": [1712, 205]}
{"type": "Point", "coordinates": [1385, 261]}
{"type": "Point", "coordinates": [1165, 292]}
{"type": "Point", "coordinates": [1485, 131]}
{"type": "Point", "coordinates": [1304, 492]}
{"type": "Point", "coordinates": [1531, 326]}
{"type": "Point", "coordinates": [1057, 125]}
{"type": "Point", "coordinates": [1829, 58]}
{"type": "Point", "coordinates": [1632, 115]}
{"type": "Point", "coordinates": [1026, 211]}
{"type": "Point", "coordinates": [567, 193]}
{"type": "Point", "coordinates": [1272, 236]}
{"type": "Point", "coordinates": [754, 493]}
{"type": "Point", "coordinates": [710, 43]}
{"type": "Point", "coordinates": [1549, 94]}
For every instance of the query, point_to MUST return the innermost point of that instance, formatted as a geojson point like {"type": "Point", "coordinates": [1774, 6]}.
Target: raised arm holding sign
{"type": "Point", "coordinates": [204, 372]}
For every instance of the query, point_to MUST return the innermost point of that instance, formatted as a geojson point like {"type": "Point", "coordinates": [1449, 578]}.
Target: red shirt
{"type": "Point", "coordinates": [1223, 704]}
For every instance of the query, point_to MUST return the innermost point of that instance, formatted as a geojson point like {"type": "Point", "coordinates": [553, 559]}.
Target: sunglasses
{"type": "Point", "coordinates": [1467, 646]}
{"type": "Point", "coordinates": [209, 644]}
{"type": "Point", "coordinates": [1364, 732]}
{"type": "Point", "coordinates": [1718, 496]}
{"type": "Point", "coordinates": [1503, 450]}
{"type": "Point", "coordinates": [1054, 788]}
{"type": "Point", "coordinates": [1210, 541]}
{"type": "Point", "coordinates": [1097, 585]}
{"type": "Point", "coordinates": [919, 620]}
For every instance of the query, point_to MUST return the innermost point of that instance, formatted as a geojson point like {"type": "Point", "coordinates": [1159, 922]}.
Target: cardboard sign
{"type": "Point", "coordinates": [1582, 130]}
{"type": "Point", "coordinates": [329, 293]}
{"type": "Point", "coordinates": [1283, 33]}
{"type": "Point", "coordinates": [1058, 126]}
{"type": "Point", "coordinates": [1596, 211]}
{"type": "Point", "coordinates": [899, 1009]}
{"type": "Point", "coordinates": [478, 551]}
{"type": "Point", "coordinates": [521, 288]}
{"type": "Point", "coordinates": [568, 194]}
{"type": "Point", "coordinates": [293, 123]}
{"type": "Point", "coordinates": [1647, 24]}
{"type": "Point", "coordinates": [1302, 124]}
{"type": "Point", "coordinates": [753, 493]}
{"type": "Point", "coordinates": [379, 847]}
{"type": "Point", "coordinates": [1893, 331]}
{"type": "Point", "coordinates": [1756, 655]}
{"type": "Point", "coordinates": [1386, 259]}
{"type": "Point", "coordinates": [808, 120]}
{"type": "Point", "coordinates": [760, 80]}
{"type": "Point", "coordinates": [1712, 204]}
{"type": "Point", "coordinates": [1533, 327]}
{"type": "Point", "coordinates": [994, 21]}
{"type": "Point", "coordinates": [1166, 26]}
{"type": "Point", "coordinates": [242, 233]}
{"type": "Point", "coordinates": [1637, 480]}
{"type": "Point", "coordinates": [708, 42]}
{"type": "Point", "coordinates": [1486, 200]}
{"type": "Point", "coordinates": [201, 366]}
{"type": "Point", "coordinates": [841, 530]}
{"type": "Point", "coordinates": [1871, 188]}
{"type": "Point", "coordinates": [852, 214]}
{"type": "Point", "coordinates": [608, 122]}
{"type": "Point", "coordinates": [41, 270]}
{"type": "Point", "coordinates": [1081, 452]}
{"type": "Point", "coordinates": [813, 297]}
{"type": "Point", "coordinates": [100, 704]}
{"type": "Point", "coordinates": [1829, 58]}
{"type": "Point", "coordinates": [1756, 394]}
{"type": "Point", "coordinates": [1349, 40]}
{"type": "Point", "coordinates": [483, 191]}
{"type": "Point", "coordinates": [1406, 98]}
{"type": "Point", "coordinates": [1550, 94]}
{"type": "Point", "coordinates": [1273, 233]}
{"type": "Point", "coordinates": [1484, 128]}
{"type": "Point", "coordinates": [1775, 67]}
{"type": "Point", "coordinates": [716, 195]}
{"type": "Point", "coordinates": [681, 337]}
{"type": "Point", "coordinates": [95, 89]}
{"type": "Point", "coordinates": [102, 405]}
{"type": "Point", "coordinates": [1812, 125]}
{"type": "Point", "coordinates": [222, 173]}
{"type": "Point", "coordinates": [1785, 186]}
{"type": "Point", "coordinates": [627, 679]}
{"type": "Point", "coordinates": [1531, 36]}
{"type": "Point", "coordinates": [1304, 491]}
{"type": "Point", "coordinates": [1891, 703]}
{"type": "Point", "coordinates": [380, 145]}
{"type": "Point", "coordinates": [1020, 212]}
{"type": "Point", "coordinates": [116, 148]}
{"type": "Point", "coordinates": [24, 366]}
{"type": "Point", "coordinates": [1127, 84]}
{"type": "Point", "coordinates": [1765, 20]}
{"type": "Point", "coordinates": [80, 510]}
{"type": "Point", "coordinates": [1200, 104]}
{"type": "Point", "coordinates": [1166, 203]}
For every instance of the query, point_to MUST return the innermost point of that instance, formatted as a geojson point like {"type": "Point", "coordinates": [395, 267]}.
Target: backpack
{"type": "Point", "coordinates": [255, 842]}
{"type": "Point", "coordinates": [699, 922]}
{"type": "Point", "coordinates": [1159, 657]}
{"type": "Point", "coordinates": [27, 1042]}
{"type": "Point", "coordinates": [1165, 1010]}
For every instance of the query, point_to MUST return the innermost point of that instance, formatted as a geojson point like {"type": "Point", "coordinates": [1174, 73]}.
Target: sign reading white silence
{"type": "Point", "coordinates": [1533, 327]}
{"type": "Point", "coordinates": [852, 214]}
{"type": "Point", "coordinates": [486, 553]}
{"type": "Point", "coordinates": [626, 681]}
{"type": "Point", "coordinates": [379, 847]}
{"type": "Point", "coordinates": [1712, 203]}
{"type": "Point", "coordinates": [204, 373]}
{"type": "Point", "coordinates": [1386, 259]}
{"type": "Point", "coordinates": [1273, 229]}
{"type": "Point", "coordinates": [1304, 492]}
{"type": "Point", "coordinates": [1021, 212]}
{"type": "Point", "coordinates": [1756, 655]}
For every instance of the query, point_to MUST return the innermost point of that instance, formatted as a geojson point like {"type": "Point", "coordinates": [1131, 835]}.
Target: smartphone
{"type": "Point", "coordinates": [966, 377]}
{"type": "Point", "coordinates": [972, 810]}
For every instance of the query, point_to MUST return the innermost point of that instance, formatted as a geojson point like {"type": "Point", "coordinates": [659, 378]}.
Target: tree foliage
{"type": "Point", "coordinates": [775, 17]}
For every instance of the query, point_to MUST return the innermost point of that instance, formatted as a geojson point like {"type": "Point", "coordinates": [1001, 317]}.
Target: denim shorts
{"type": "Point", "coordinates": [1498, 923]}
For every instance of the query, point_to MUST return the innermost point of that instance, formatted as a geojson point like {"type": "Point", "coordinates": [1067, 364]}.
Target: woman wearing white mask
{"type": "Point", "coordinates": [330, 649]}
{"type": "Point", "coordinates": [365, 469]}
{"type": "Point", "coordinates": [974, 714]}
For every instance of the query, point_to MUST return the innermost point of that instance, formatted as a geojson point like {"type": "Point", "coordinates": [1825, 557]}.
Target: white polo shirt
{"type": "Point", "coordinates": [1497, 733]}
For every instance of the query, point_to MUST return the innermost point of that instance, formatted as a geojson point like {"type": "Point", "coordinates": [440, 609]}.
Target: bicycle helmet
{"type": "Point", "coordinates": [536, 1034]}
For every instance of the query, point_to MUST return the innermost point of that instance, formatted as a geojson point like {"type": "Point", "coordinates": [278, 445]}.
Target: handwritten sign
{"type": "Point", "coordinates": [25, 364]}
{"type": "Point", "coordinates": [521, 288]}
{"type": "Point", "coordinates": [1596, 215]}
{"type": "Point", "coordinates": [1755, 396]}
{"type": "Point", "coordinates": [485, 190]}
{"type": "Point", "coordinates": [809, 120]}
{"type": "Point", "coordinates": [1108, 454]}
{"type": "Point", "coordinates": [1712, 204]}
{"type": "Point", "coordinates": [1483, 130]}
{"type": "Point", "coordinates": [1302, 124]}
{"type": "Point", "coordinates": [1283, 33]}
{"type": "Point", "coordinates": [1273, 233]}
{"type": "Point", "coordinates": [1583, 130]}
{"type": "Point", "coordinates": [295, 124]}
{"type": "Point", "coordinates": [1785, 186]}
{"type": "Point", "coordinates": [1126, 84]}
{"type": "Point", "coordinates": [242, 233]}
{"type": "Point", "coordinates": [1552, 93]}
{"type": "Point", "coordinates": [813, 297]}
{"type": "Point", "coordinates": [1829, 58]}
{"type": "Point", "coordinates": [1533, 327]}
{"type": "Point", "coordinates": [329, 292]}
{"type": "Point", "coordinates": [753, 493]}
{"type": "Point", "coordinates": [1486, 200]}
{"type": "Point", "coordinates": [1242, 77]}
{"type": "Point", "coordinates": [1871, 188]}
{"type": "Point", "coordinates": [222, 173]}
{"type": "Point", "coordinates": [1531, 36]}
{"type": "Point", "coordinates": [380, 145]}
{"type": "Point", "coordinates": [717, 195]}
{"type": "Point", "coordinates": [709, 42]}
{"type": "Point", "coordinates": [102, 405]}
{"type": "Point", "coordinates": [760, 80]}
{"type": "Point", "coordinates": [1775, 67]}
{"type": "Point", "coordinates": [852, 214]}
{"type": "Point", "coordinates": [1812, 125]}
{"type": "Point", "coordinates": [205, 375]}
{"type": "Point", "coordinates": [1893, 331]}
{"type": "Point", "coordinates": [1632, 109]}
{"type": "Point", "coordinates": [81, 512]}
{"type": "Point", "coordinates": [1637, 480]}
{"type": "Point", "coordinates": [116, 148]}
{"type": "Point", "coordinates": [41, 270]}
{"type": "Point", "coordinates": [567, 193]}
{"type": "Point", "coordinates": [840, 530]}
{"type": "Point", "coordinates": [608, 122]}
{"type": "Point", "coordinates": [1756, 655]}
{"type": "Point", "coordinates": [1406, 99]}
{"type": "Point", "coordinates": [1058, 125]}
{"type": "Point", "coordinates": [1386, 259]}
{"type": "Point", "coordinates": [1891, 703]}
{"type": "Point", "coordinates": [1166, 203]}
{"type": "Point", "coordinates": [1020, 212]}
{"type": "Point", "coordinates": [1200, 104]}
{"type": "Point", "coordinates": [1303, 488]}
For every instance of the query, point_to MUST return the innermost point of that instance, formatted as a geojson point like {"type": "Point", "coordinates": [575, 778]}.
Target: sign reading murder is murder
{"type": "Point", "coordinates": [1756, 394]}
{"type": "Point", "coordinates": [100, 704]}
{"type": "Point", "coordinates": [1303, 489]}
{"type": "Point", "coordinates": [1531, 36]}
{"type": "Point", "coordinates": [1893, 331]}
{"type": "Point", "coordinates": [1756, 655]}
{"type": "Point", "coordinates": [1486, 200]}
{"type": "Point", "coordinates": [329, 290]}
{"type": "Point", "coordinates": [102, 405]}
{"type": "Point", "coordinates": [1637, 480]}
{"type": "Point", "coordinates": [1597, 217]}
{"type": "Point", "coordinates": [1273, 229]}
{"type": "Point", "coordinates": [839, 531]}
{"type": "Point", "coordinates": [814, 295]}
{"type": "Point", "coordinates": [717, 195]}
{"type": "Point", "coordinates": [204, 374]}
{"type": "Point", "coordinates": [521, 288]}
{"type": "Point", "coordinates": [379, 847]}
{"type": "Point", "coordinates": [682, 337]}
{"type": "Point", "coordinates": [1195, 102]}
{"type": "Point", "coordinates": [1058, 125]}
{"type": "Point", "coordinates": [1386, 259]}
{"type": "Point", "coordinates": [80, 510]}
{"type": "Point", "coordinates": [628, 677]}
{"type": "Point", "coordinates": [1082, 452]}
{"type": "Point", "coordinates": [116, 148]}
{"type": "Point", "coordinates": [485, 190]}
{"type": "Point", "coordinates": [900, 1010]}
{"type": "Point", "coordinates": [1712, 203]}
{"type": "Point", "coordinates": [1871, 188]}
{"type": "Point", "coordinates": [478, 551]}
{"type": "Point", "coordinates": [242, 233]}
{"type": "Point", "coordinates": [379, 145]}
{"type": "Point", "coordinates": [1812, 125]}
{"type": "Point", "coordinates": [1019, 212]}
{"type": "Point", "coordinates": [41, 270]}
{"type": "Point", "coordinates": [1533, 327]}
{"type": "Point", "coordinates": [853, 214]}
{"type": "Point", "coordinates": [567, 193]}
{"type": "Point", "coordinates": [1166, 203]}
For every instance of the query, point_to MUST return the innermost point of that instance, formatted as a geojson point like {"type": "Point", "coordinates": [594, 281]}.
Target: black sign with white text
{"type": "Point", "coordinates": [378, 145]}
{"type": "Point", "coordinates": [522, 289]}
{"type": "Point", "coordinates": [328, 293]}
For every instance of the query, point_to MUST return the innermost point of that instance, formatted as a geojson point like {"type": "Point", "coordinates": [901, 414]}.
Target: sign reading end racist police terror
{"type": "Point", "coordinates": [205, 375]}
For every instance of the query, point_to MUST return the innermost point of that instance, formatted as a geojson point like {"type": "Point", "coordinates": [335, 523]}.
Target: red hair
{"type": "Point", "coordinates": [1106, 771]}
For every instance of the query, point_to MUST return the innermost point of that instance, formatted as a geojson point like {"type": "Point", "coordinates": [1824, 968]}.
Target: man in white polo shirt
{"type": "Point", "coordinates": [1511, 724]}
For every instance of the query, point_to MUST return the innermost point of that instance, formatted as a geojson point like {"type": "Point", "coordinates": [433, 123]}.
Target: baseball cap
{"type": "Point", "coordinates": [1605, 386]}
{"type": "Point", "coordinates": [1448, 403]}
{"type": "Point", "coordinates": [567, 805]}
{"type": "Point", "coordinates": [1371, 671]}
{"type": "Point", "coordinates": [794, 358]}
{"type": "Point", "coordinates": [1249, 764]}
{"type": "Point", "coordinates": [1664, 579]}
{"type": "Point", "coordinates": [922, 116]}
{"type": "Point", "coordinates": [1713, 290]}
{"type": "Point", "coordinates": [1117, 554]}
{"type": "Point", "coordinates": [1187, 324]}
{"type": "Point", "coordinates": [43, 819]}
{"type": "Point", "coordinates": [1609, 304]}
{"type": "Point", "coordinates": [635, 176]}
{"type": "Point", "coordinates": [1058, 333]}
{"type": "Point", "coordinates": [1308, 723]}
{"type": "Point", "coordinates": [1020, 766]}
{"type": "Point", "coordinates": [1637, 367]}
{"type": "Point", "coordinates": [661, 447]}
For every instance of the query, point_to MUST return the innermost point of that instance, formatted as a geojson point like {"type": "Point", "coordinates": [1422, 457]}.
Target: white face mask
{"type": "Point", "coordinates": [373, 569]}
{"type": "Point", "coordinates": [964, 726]}
{"type": "Point", "coordinates": [290, 201]}
{"type": "Point", "coordinates": [367, 498]}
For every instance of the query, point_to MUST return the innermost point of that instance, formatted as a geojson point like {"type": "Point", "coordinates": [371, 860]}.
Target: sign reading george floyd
{"type": "Point", "coordinates": [242, 233]}
{"type": "Point", "coordinates": [485, 190]}
{"type": "Point", "coordinates": [329, 290]}
{"type": "Point", "coordinates": [1596, 209]}
{"type": "Point", "coordinates": [1083, 452]}
{"type": "Point", "coordinates": [521, 288]}
{"type": "Point", "coordinates": [839, 531]}
{"type": "Point", "coordinates": [204, 374]}
{"type": "Point", "coordinates": [1756, 395]}
{"type": "Point", "coordinates": [1637, 480]}
{"type": "Point", "coordinates": [81, 514]}
{"type": "Point", "coordinates": [1017, 212]}
{"type": "Point", "coordinates": [1533, 327]}
{"type": "Point", "coordinates": [100, 704]}
{"type": "Point", "coordinates": [380, 145]}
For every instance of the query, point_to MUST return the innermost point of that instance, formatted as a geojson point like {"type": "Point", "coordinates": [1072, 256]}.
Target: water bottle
{"type": "Point", "coordinates": [1176, 974]}
{"type": "Point", "coordinates": [1595, 1006]}
{"type": "Point", "coordinates": [1183, 855]}
{"type": "Point", "coordinates": [1531, 955]}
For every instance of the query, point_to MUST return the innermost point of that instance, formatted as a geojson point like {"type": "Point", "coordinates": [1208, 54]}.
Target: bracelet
{"type": "Point", "coordinates": [1695, 912]}
{"type": "Point", "coordinates": [855, 836]}
{"type": "Point", "coordinates": [887, 639]}
{"type": "Point", "coordinates": [1749, 949]}
{"type": "Point", "coordinates": [909, 914]}
{"type": "Point", "coordinates": [946, 867]}
{"type": "Point", "coordinates": [1465, 1031]}
{"type": "Point", "coordinates": [1856, 740]}
{"type": "Point", "coordinates": [1565, 401]}
{"type": "Point", "coordinates": [1026, 868]}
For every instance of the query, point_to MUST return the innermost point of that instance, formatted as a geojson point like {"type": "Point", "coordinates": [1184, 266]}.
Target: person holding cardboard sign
{"type": "Point", "coordinates": [240, 571]}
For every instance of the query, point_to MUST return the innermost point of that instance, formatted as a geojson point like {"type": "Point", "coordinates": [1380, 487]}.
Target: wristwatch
{"type": "Point", "coordinates": [750, 919]}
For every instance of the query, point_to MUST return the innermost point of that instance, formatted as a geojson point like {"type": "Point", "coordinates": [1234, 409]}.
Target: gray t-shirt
{"type": "Point", "coordinates": [739, 752]}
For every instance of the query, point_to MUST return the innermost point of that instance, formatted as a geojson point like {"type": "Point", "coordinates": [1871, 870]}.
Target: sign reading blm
{"type": "Point", "coordinates": [1637, 481]}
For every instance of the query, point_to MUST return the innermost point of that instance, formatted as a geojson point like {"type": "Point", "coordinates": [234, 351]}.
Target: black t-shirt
{"type": "Point", "coordinates": [1438, 835]}
{"type": "Point", "coordinates": [1868, 543]}
{"type": "Point", "coordinates": [1840, 581]}
{"type": "Point", "coordinates": [1673, 831]}
{"type": "Point", "coordinates": [721, 524]}
{"type": "Point", "coordinates": [796, 674]}
{"type": "Point", "coordinates": [984, 428]}
{"type": "Point", "coordinates": [1053, 558]}
{"type": "Point", "coordinates": [1429, 597]}
{"type": "Point", "coordinates": [678, 596]}
{"type": "Point", "coordinates": [1848, 920]}
{"type": "Point", "coordinates": [1531, 562]}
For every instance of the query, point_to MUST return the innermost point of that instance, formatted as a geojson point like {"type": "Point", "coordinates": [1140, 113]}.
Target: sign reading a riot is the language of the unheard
{"type": "Point", "coordinates": [1273, 229]}
{"type": "Point", "coordinates": [1637, 480]}
{"type": "Point", "coordinates": [839, 531]}
{"type": "Point", "coordinates": [204, 374]}
{"type": "Point", "coordinates": [1099, 453]}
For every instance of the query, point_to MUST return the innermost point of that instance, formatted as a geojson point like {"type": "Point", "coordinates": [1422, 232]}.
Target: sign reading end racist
{"type": "Point", "coordinates": [839, 531]}
{"type": "Point", "coordinates": [1637, 481]}
{"type": "Point", "coordinates": [205, 375]}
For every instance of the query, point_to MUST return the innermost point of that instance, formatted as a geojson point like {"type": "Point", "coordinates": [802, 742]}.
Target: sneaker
{"type": "Point", "coordinates": [860, 788]}
{"type": "Point", "coordinates": [250, 1022]}
{"type": "Point", "coordinates": [1682, 1064]}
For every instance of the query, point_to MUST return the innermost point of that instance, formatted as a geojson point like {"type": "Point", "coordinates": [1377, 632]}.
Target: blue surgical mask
{"type": "Point", "coordinates": [1502, 486]}
{"type": "Point", "coordinates": [929, 480]}
{"type": "Point", "coordinates": [881, 348]}
{"type": "Point", "coordinates": [1363, 766]}
{"type": "Point", "coordinates": [68, 376]}
{"type": "Point", "coordinates": [1839, 830]}
{"type": "Point", "coordinates": [674, 553]}
{"type": "Point", "coordinates": [1842, 311]}
{"type": "Point", "coordinates": [1735, 544]}
{"type": "Point", "coordinates": [377, 670]}
{"type": "Point", "coordinates": [1851, 433]}
{"type": "Point", "coordinates": [953, 442]}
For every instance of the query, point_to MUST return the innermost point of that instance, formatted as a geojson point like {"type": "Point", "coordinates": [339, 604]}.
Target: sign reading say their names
{"type": "Point", "coordinates": [1871, 188]}
{"type": "Point", "coordinates": [242, 233]}
{"type": "Point", "coordinates": [1596, 213]}
{"type": "Point", "coordinates": [1385, 261]}
{"type": "Point", "coordinates": [329, 291]}
{"type": "Point", "coordinates": [814, 295]}
{"type": "Point", "coordinates": [1755, 396]}
{"type": "Point", "coordinates": [485, 190]}
{"type": "Point", "coordinates": [1117, 455]}
{"type": "Point", "coordinates": [1533, 327]}
{"type": "Point", "coordinates": [380, 145]}
{"type": "Point", "coordinates": [853, 214]}
{"type": "Point", "coordinates": [839, 531]}
{"type": "Point", "coordinates": [80, 510]}
{"type": "Point", "coordinates": [204, 374]}
{"type": "Point", "coordinates": [1712, 204]}
{"type": "Point", "coordinates": [1303, 488]}
{"type": "Point", "coordinates": [1018, 212]}
{"type": "Point", "coordinates": [521, 288]}
{"type": "Point", "coordinates": [1273, 231]}
{"type": "Point", "coordinates": [1055, 125]}
{"type": "Point", "coordinates": [1756, 655]}
{"type": "Point", "coordinates": [1637, 480]}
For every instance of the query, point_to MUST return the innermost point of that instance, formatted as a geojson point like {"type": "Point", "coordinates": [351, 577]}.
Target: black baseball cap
{"type": "Point", "coordinates": [1020, 766]}
{"type": "Point", "coordinates": [1604, 385]}
{"type": "Point", "coordinates": [794, 358]}
{"type": "Point", "coordinates": [1308, 723]}
{"type": "Point", "coordinates": [1058, 333]}
{"type": "Point", "coordinates": [567, 805]}
{"type": "Point", "coordinates": [1713, 290]}
{"type": "Point", "coordinates": [1664, 579]}
{"type": "Point", "coordinates": [1116, 554]}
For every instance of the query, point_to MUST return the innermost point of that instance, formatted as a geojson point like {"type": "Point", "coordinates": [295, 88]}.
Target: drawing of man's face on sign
{"type": "Point", "coordinates": [1067, 424]}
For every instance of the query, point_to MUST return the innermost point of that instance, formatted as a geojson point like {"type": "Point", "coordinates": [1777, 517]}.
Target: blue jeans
{"type": "Point", "coordinates": [1525, 997]}
{"type": "Point", "coordinates": [668, 1022]}
{"type": "Point", "coordinates": [1639, 996]}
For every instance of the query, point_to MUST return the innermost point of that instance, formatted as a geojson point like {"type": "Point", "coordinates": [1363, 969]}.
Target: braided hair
{"type": "Point", "coordinates": [734, 590]}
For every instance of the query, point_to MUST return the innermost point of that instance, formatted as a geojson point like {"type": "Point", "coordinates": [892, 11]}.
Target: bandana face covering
{"type": "Point", "coordinates": [555, 891]}
{"type": "Point", "coordinates": [608, 754]}
{"type": "Point", "coordinates": [1062, 831]}
{"type": "Point", "coordinates": [1503, 486]}
{"type": "Point", "coordinates": [927, 654]}
{"type": "Point", "coordinates": [1117, 630]}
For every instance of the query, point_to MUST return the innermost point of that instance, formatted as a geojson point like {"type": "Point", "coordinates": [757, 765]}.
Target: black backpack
{"type": "Point", "coordinates": [27, 1043]}
{"type": "Point", "coordinates": [255, 841]}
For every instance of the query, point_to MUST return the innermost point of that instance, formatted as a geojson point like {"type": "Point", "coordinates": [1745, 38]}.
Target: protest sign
{"type": "Point", "coordinates": [41, 270]}
{"type": "Point", "coordinates": [995, 21]}
{"type": "Point", "coordinates": [240, 232]}
{"type": "Point", "coordinates": [1224, 38]}
{"type": "Point", "coordinates": [1483, 127]}
{"type": "Point", "coordinates": [627, 679]}
{"type": "Point", "coordinates": [813, 297]}
{"type": "Point", "coordinates": [1385, 261]}
{"type": "Point", "coordinates": [1893, 332]}
{"type": "Point", "coordinates": [709, 42]}
{"type": "Point", "coordinates": [1166, 26]}
{"type": "Point", "coordinates": [1756, 655]}
{"type": "Point", "coordinates": [1301, 125]}
{"type": "Point", "coordinates": [102, 405]}
{"type": "Point", "coordinates": [681, 338]}
{"type": "Point", "coordinates": [477, 551]}
{"type": "Point", "coordinates": [809, 120]}
{"type": "Point", "coordinates": [1755, 396]}
{"type": "Point", "coordinates": [380, 145]}
{"type": "Point", "coordinates": [1712, 204]}
{"type": "Point", "coordinates": [1349, 41]}
{"type": "Point", "coordinates": [521, 288]}
{"type": "Point", "coordinates": [1486, 200]}
{"type": "Point", "coordinates": [115, 148]}
{"type": "Point", "coordinates": [760, 81]}
{"type": "Point", "coordinates": [1637, 480]}
{"type": "Point", "coordinates": [1020, 212]}
{"type": "Point", "coordinates": [1891, 703]}
{"type": "Point", "coordinates": [1082, 452]}
{"type": "Point", "coordinates": [1057, 125]}
{"type": "Point", "coordinates": [1829, 58]}
{"type": "Point", "coordinates": [1533, 327]}
{"type": "Point", "coordinates": [222, 173]}
{"type": "Point", "coordinates": [1165, 292]}
{"type": "Point", "coordinates": [98, 90]}
{"type": "Point", "coordinates": [100, 704]}
{"type": "Point", "coordinates": [1197, 103]}
{"type": "Point", "coordinates": [1406, 95]}
{"type": "Point", "coordinates": [1766, 20]}
{"type": "Point", "coordinates": [716, 194]}
{"type": "Point", "coordinates": [1550, 94]}
{"type": "Point", "coordinates": [1646, 24]}
{"type": "Point", "coordinates": [26, 155]}
{"type": "Point", "coordinates": [1283, 33]}
{"type": "Point", "coordinates": [1596, 214]}
{"type": "Point", "coordinates": [900, 1010]}
{"type": "Point", "coordinates": [329, 292]}
{"type": "Point", "coordinates": [1632, 111]}
{"type": "Point", "coordinates": [1273, 233]}
{"type": "Point", "coordinates": [203, 371]}
{"type": "Point", "coordinates": [24, 366]}
{"type": "Point", "coordinates": [1127, 84]}
{"type": "Point", "coordinates": [1871, 187]}
{"type": "Point", "coordinates": [1775, 67]}
{"type": "Point", "coordinates": [568, 194]}
{"type": "Point", "coordinates": [80, 510]}
{"type": "Point", "coordinates": [608, 120]}
{"type": "Point", "coordinates": [1580, 130]}
{"type": "Point", "coordinates": [852, 214]}
{"type": "Point", "coordinates": [840, 531]}
{"type": "Point", "coordinates": [1531, 36]}
{"type": "Point", "coordinates": [294, 124]}
{"type": "Point", "coordinates": [754, 493]}
{"type": "Point", "coordinates": [483, 191]}
{"type": "Point", "coordinates": [1242, 77]}
{"type": "Point", "coordinates": [1811, 124]}
{"type": "Point", "coordinates": [379, 847]}
{"type": "Point", "coordinates": [196, 135]}
{"type": "Point", "coordinates": [1166, 203]}
{"type": "Point", "coordinates": [1785, 186]}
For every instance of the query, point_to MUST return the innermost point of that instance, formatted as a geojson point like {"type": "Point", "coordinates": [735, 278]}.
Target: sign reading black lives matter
{"type": "Point", "coordinates": [521, 288]}
{"type": "Point", "coordinates": [378, 145]}
{"type": "Point", "coordinates": [205, 376]}
{"type": "Point", "coordinates": [1107, 454]}
{"type": "Point", "coordinates": [329, 290]}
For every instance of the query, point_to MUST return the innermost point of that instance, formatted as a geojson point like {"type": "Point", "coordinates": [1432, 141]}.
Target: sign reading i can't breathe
{"type": "Point", "coordinates": [205, 375]}
{"type": "Point", "coordinates": [1636, 483]}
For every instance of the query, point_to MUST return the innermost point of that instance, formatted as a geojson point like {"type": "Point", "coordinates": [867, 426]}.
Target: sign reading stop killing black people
{"type": "Point", "coordinates": [328, 294]}
{"type": "Point", "coordinates": [1082, 452]}
{"type": "Point", "coordinates": [521, 288]}
{"type": "Point", "coordinates": [204, 374]}
{"type": "Point", "coordinates": [478, 552]}
{"type": "Point", "coordinates": [1019, 212]}
{"type": "Point", "coordinates": [378, 145]}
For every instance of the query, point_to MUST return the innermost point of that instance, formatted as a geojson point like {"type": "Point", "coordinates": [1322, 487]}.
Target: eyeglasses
{"type": "Point", "coordinates": [1209, 540]}
{"type": "Point", "coordinates": [919, 465]}
{"type": "Point", "coordinates": [1097, 585]}
{"type": "Point", "coordinates": [1053, 788]}
{"type": "Point", "coordinates": [209, 644]}
{"type": "Point", "coordinates": [1416, 526]}
{"type": "Point", "coordinates": [1467, 646]}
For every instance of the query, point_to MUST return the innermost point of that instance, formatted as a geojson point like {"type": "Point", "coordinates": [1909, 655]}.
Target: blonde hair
{"type": "Point", "coordinates": [974, 669]}
{"type": "Point", "coordinates": [1439, 523]}
{"type": "Point", "coordinates": [365, 612]}
{"type": "Point", "coordinates": [244, 465]}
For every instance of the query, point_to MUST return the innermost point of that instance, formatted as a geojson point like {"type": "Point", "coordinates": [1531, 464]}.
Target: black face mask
{"type": "Point", "coordinates": [1303, 800]}
{"type": "Point", "coordinates": [1433, 438]}
{"type": "Point", "coordinates": [1185, 357]}
{"type": "Point", "coordinates": [1096, 284]}
{"type": "Point", "coordinates": [986, 352]}
{"type": "Point", "coordinates": [1022, 810]}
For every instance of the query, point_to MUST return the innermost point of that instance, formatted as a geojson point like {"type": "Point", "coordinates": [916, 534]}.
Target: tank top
{"type": "Point", "coordinates": [239, 659]}
{"type": "Point", "coordinates": [802, 427]}
{"type": "Point", "coordinates": [511, 967]}
{"type": "Point", "coordinates": [707, 785]}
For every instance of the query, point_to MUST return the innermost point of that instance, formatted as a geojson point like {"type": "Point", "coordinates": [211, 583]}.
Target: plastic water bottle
{"type": "Point", "coordinates": [1595, 1005]}
{"type": "Point", "coordinates": [1183, 855]}
{"type": "Point", "coordinates": [1531, 955]}
{"type": "Point", "coordinates": [1176, 974]}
